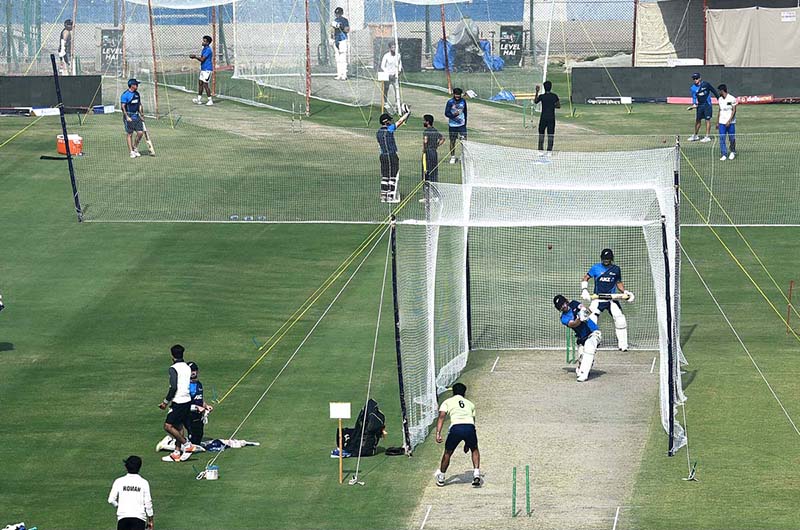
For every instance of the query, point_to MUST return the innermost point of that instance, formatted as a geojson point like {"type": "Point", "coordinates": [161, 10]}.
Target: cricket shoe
{"type": "Point", "coordinates": [197, 100]}
{"type": "Point", "coordinates": [453, 160]}
{"type": "Point", "coordinates": [137, 153]}
{"type": "Point", "coordinates": [693, 138]}
{"type": "Point", "coordinates": [189, 448]}
{"type": "Point", "coordinates": [174, 456]}
{"type": "Point", "coordinates": [209, 103]}
{"type": "Point", "coordinates": [731, 156]}
{"type": "Point", "coordinates": [477, 482]}
{"type": "Point", "coordinates": [439, 479]}
{"type": "Point", "coordinates": [723, 157]}
{"type": "Point", "coordinates": [705, 140]}
{"type": "Point", "coordinates": [133, 154]}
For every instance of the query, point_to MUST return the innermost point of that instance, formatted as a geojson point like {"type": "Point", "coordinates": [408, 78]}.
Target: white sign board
{"type": "Point", "coordinates": [340, 411]}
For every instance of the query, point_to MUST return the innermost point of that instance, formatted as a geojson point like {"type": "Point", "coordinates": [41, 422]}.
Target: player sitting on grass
{"type": "Point", "coordinates": [578, 318]}
{"type": "Point", "coordinates": [462, 429]}
{"type": "Point", "coordinates": [607, 279]}
{"type": "Point", "coordinates": [131, 104]}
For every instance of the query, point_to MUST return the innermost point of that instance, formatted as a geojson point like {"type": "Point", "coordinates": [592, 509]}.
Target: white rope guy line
{"type": "Point", "coordinates": [302, 343]}
{"type": "Point", "coordinates": [736, 334]}
{"type": "Point", "coordinates": [372, 362]}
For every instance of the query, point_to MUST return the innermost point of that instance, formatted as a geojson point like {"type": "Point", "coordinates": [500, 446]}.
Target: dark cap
{"type": "Point", "coordinates": [193, 366]}
{"type": "Point", "coordinates": [132, 82]}
{"type": "Point", "coordinates": [695, 75]}
{"type": "Point", "coordinates": [133, 464]}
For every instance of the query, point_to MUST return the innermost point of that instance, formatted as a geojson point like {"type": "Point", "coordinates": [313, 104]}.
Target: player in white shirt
{"type": "Point", "coordinates": [392, 65]}
{"type": "Point", "coordinates": [130, 495]}
{"type": "Point", "coordinates": [462, 428]}
{"type": "Point", "coordinates": [727, 122]}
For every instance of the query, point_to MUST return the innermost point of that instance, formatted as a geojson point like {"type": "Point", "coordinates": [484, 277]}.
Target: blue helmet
{"type": "Point", "coordinates": [132, 82]}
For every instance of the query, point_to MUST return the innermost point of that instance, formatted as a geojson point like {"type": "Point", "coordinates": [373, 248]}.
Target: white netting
{"type": "Point", "coordinates": [533, 228]}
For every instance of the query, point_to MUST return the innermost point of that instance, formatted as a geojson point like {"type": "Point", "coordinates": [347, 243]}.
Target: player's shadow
{"type": "Point", "coordinates": [594, 374]}
{"type": "Point", "coordinates": [687, 378]}
{"type": "Point", "coordinates": [6, 346]}
{"type": "Point", "coordinates": [686, 334]}
{"type": "Point", "coordinates": [461, 478]}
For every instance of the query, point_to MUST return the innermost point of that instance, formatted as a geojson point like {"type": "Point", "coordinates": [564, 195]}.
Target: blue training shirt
{"type": "Point", "coordinates": [701, 92]}
{"type": "Point", "coordinates": [133, 102]}
{"type": "Point", "coordinates": [605, 278]}
{"type": "Point", "coordinates": [338, 32]}
{"type": "Point", "coordinates": [196, 393]}
{"type": "Point", "coordinates": [207, 65]}
{"type": "Point", "coordinates": [385, 137]}
{"type": "Point", "coordinates": [458, 119]}
{"type": "Point", "coordinates": [585, 329]}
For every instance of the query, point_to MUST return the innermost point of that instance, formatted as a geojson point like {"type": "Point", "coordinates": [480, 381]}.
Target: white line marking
{"type": "Point", "coordinates": [616, 518]}
{"type": "Point", "coordinates": [495, 363]}
{"type": "Point", "coordinates": [653, 366]}
{"type": "Point", "coordinates": [426, 517]}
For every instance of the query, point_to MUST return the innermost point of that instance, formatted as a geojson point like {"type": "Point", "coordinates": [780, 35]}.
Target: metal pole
{"type": "Point", "coordinates": [705, 32]}
{"type": "Point", "coordinates": [72, 38]}
{"type": "Point", "coordinates": [397, 345]}
{"type": "Point", "coordinates": [153, 49]}
{"type": "Point", "coordinates": [670, 338]}
{"type": "Point", "coordinates": [214, 50]}
{"type": "Point", "coordinates": [635, 16]}
{"type": "Point", "coordinates": [446, 60]}
{"type": "Point", "coordinates": [308, 61]}
{"type": "Point", "coordinates": [400, 61]}
{"type": "Point", "coordinates": [531, 34]}
{"type": "Point", "coordinates": [75, 196]}
{"type": "Point", "coordinates": [124, 56]}
{"type": "Point", "coordinates": [428, 30]}
{"type": "Point", "coordinates": [9, 42]}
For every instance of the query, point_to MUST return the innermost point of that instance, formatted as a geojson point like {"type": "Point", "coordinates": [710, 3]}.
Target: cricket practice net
{"type": "Point", "coordinates": [479, 264]}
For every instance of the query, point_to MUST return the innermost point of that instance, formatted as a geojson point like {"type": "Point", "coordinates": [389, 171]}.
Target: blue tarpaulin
{"type": "Point", "coordinates": [492, 62]}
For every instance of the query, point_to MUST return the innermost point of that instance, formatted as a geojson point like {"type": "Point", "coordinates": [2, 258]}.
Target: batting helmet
{"type": "Point", "coordinates": [559, 301]}
{"type": "Point", "coordinates": [607, 254]}
{"type": "Point", "coordinates": [385, 118]}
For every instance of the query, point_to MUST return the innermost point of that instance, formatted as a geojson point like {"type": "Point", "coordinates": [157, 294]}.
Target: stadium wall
{"type": "Point", "coordinates": [663, 82]}
{"type": "Point", "coordinates": [39, 91]}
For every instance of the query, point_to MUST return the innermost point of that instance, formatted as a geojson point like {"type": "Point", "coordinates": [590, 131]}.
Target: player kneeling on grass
{"type": "Point", "coordinates": [462, 429]}
{"type": "Point", "coordinates": [607, 281]}
{"type": "Point", "coordinates": [587, 335]}
{"type": "Point", "coordinates": [131, 104]}
{"type": "Point", "coordinates": [199, 409]}
{"type": "Point", "coordinates": [390, 162]}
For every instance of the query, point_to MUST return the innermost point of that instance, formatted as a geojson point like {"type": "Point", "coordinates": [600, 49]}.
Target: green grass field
{"type": "Point", "coordinates": [93, 308]}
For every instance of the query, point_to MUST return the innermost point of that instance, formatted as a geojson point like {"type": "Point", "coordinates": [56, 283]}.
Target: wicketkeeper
{"type": "Point", "coordinates": [608, 290]}
{"type": "Point", "coordinates": [577, 317]}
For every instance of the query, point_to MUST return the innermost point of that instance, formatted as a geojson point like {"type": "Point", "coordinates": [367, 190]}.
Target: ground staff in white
{"type": "Point", "coordinates": [392, 66]}
{"type": "Point", "coordinates": [130, 495]}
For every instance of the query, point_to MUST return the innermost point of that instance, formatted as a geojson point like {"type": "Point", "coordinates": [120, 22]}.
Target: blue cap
{"type": "Point", "coordinates": [695, 75]}
{"type": "Point", "coordinates": [132, 82]}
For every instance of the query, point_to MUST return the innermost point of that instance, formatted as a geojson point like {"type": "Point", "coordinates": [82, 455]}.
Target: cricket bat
{"type": "Point", "coordinates": [148, 140]}
{"type": "Point", "coordinates": [610, 296]}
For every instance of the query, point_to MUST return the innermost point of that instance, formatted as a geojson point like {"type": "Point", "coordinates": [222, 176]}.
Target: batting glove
{"type": "Point", "coordinates": [631, 296]}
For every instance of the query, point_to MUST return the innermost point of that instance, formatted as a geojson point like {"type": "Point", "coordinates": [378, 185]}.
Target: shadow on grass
{"type": "Point", "coordinates": [686, 334]}
{"type": "Point", "coordinates": [6, 346]}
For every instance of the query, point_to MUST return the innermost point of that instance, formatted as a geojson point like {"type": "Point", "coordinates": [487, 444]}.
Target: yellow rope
{"type": "Point", "coordinates": [21, 131]}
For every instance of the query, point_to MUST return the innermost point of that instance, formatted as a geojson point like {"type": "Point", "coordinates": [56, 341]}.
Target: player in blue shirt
{"type": "Point", "coordinates": [131, 105]}
{"type": "Point", "coordinates": [199, 409]}
{"type": "Point", "coordinates": [206, 59]}
{"type": "Point", "coordinates": [701, 100]}
{"type": "Point", "coordinates": [608, 280]}
{"type": "Point", "coordinates": [578, 318]}
{"type": "Point", "coordinates": [390, 162]}
{"type": "Point", "coordinates": [341, 41]}
{"type": "Point", "coordinates": [456, 112]}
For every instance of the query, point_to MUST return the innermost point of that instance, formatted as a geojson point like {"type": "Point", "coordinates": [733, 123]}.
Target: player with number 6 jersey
{"type": "Point", "coordinates": [462, 429]}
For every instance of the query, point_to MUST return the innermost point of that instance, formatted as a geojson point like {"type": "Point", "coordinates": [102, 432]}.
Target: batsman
{"type": "Point", "coordinates": [608, 290]}
{"type": "Point", "coordinates": [579, 319]}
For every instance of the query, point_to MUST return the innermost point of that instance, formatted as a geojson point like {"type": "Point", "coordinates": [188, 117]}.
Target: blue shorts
{"type": "Point", "coordinates": [704, 112]}
{"type": "Point", "coordinates": [461, 432]}
{"type": "Point", "coordinates": [132, 126]}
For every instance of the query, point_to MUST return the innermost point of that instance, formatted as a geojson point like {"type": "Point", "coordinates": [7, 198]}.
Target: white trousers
{"type": "Point", "coordinates": [586, 355]}
{"type": "Point", "coordinates": [620, 322]}
{"type": "Point", "coordinates": [341, 59]}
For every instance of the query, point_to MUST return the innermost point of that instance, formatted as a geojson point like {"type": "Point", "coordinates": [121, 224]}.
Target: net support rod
{"type": "Point", "coordinates": [124, 56]}
{"type": "Point", "coordinates": [469, 296]}
{"type": "Point", "coordinates": [72, 65]}
{"type": "Point", "coordinates": [547, 45]}
{"type": "Point", "coordinates": [153, 50]}
{"type": "Point", "coordinates": [532, 35]}
{"type": "Point", "coordinates": [633, 49]}
{"type": "Point", "coordinates": [397, 345]}
{"type": "Point", "coordinates": [670, 339]}
{"type": "Point", "coordinates": [446, 59]}
{"type": "Point", "coordinates": [308, 60]}
{"type": "Point", "coordinates": [214, 50]}
{"type": "Point", "coordinates": [75, 196]}
{"type": "Point", "coordinates": [396, 47]}
{"type": "Point", "coordinates": [705, 31]}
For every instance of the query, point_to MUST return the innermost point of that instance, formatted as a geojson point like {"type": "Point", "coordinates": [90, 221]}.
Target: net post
{"type": "Point", "coordinates": [153, 50]}
{"type": "Point", "coordinates": [308, 60]}
{"type": "Point", "coordinates": [124, 56]}
{"type": "Point", "coordinates": [397, 345]}
{"type": "Point", "coordinates": [72, 64]}
{"type": "Point", "coordinates": [446, 59]}
{"type": "Point", "coordinates": [75, 196]}
{"type": "Point", "coordinates": [670, 338]}
{"type": "Point", "coordinates": [214, 50]}
{"type": "Point", "coordinates": [633, 48]}
{"type": "Point", "coordinates": [469, 297]}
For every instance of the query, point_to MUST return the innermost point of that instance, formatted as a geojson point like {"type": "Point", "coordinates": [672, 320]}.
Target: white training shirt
{"type": "Point", "coordinates": [391, 64]}
{"type": "Point", "coordinates": [726, 106]}
{"type": "Point", "coordinates": [130, 495]}
{"type": "Point", "coordinates": [182, 395]}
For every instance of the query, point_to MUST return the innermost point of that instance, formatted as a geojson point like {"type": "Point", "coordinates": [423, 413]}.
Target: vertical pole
{"type": "Point", "coordinates": [116, 13]}
{"type": "Point", "coordinates": [469, 297]}
{"type": "Point", "coordinates": [527, 489]}
{"type": "Point", "coordinates": [789, 307]}
{"type": "Point", "coordinates": [341, 449]}
{"type": "Point", "coordinates": [72, 39]}
{"type": "Point", "coordinates": [670, 338]}
{"type": "Point", "coordinates": [308, 62]}
{"type": "Point", "coordinates": [124, 56]}
{"type": "Point", "coordinates": [705, 31]}
{"type": "Point", "coordinates": [531, 35]}
{"type": "Point", "coordinates": [446, 59]}
{"type": "Point", "coordinates": [214, 50]}
{"type": "Point", "coordinates": [323, 34]}
{"type": "Point", "coordinates": [398, 98]}
{"type": "Point", "coordinates": [428, 45]}
{"type": "Point", "coordinates": [397, 345]}
{"type": "Point", "coordinates": [635, 16]}
{"type": "Point", "coordinates": [38, 17]}
{"type": "Point", "coordinates": [153, 49]}
{"type": "Point", "coordinates": [547, 45]}
{"type": "Point", "coordinates": [75, 196]}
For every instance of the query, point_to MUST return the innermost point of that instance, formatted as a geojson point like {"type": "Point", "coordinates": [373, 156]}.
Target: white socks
{"type": "Point", "coordinates": [476, 472]}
